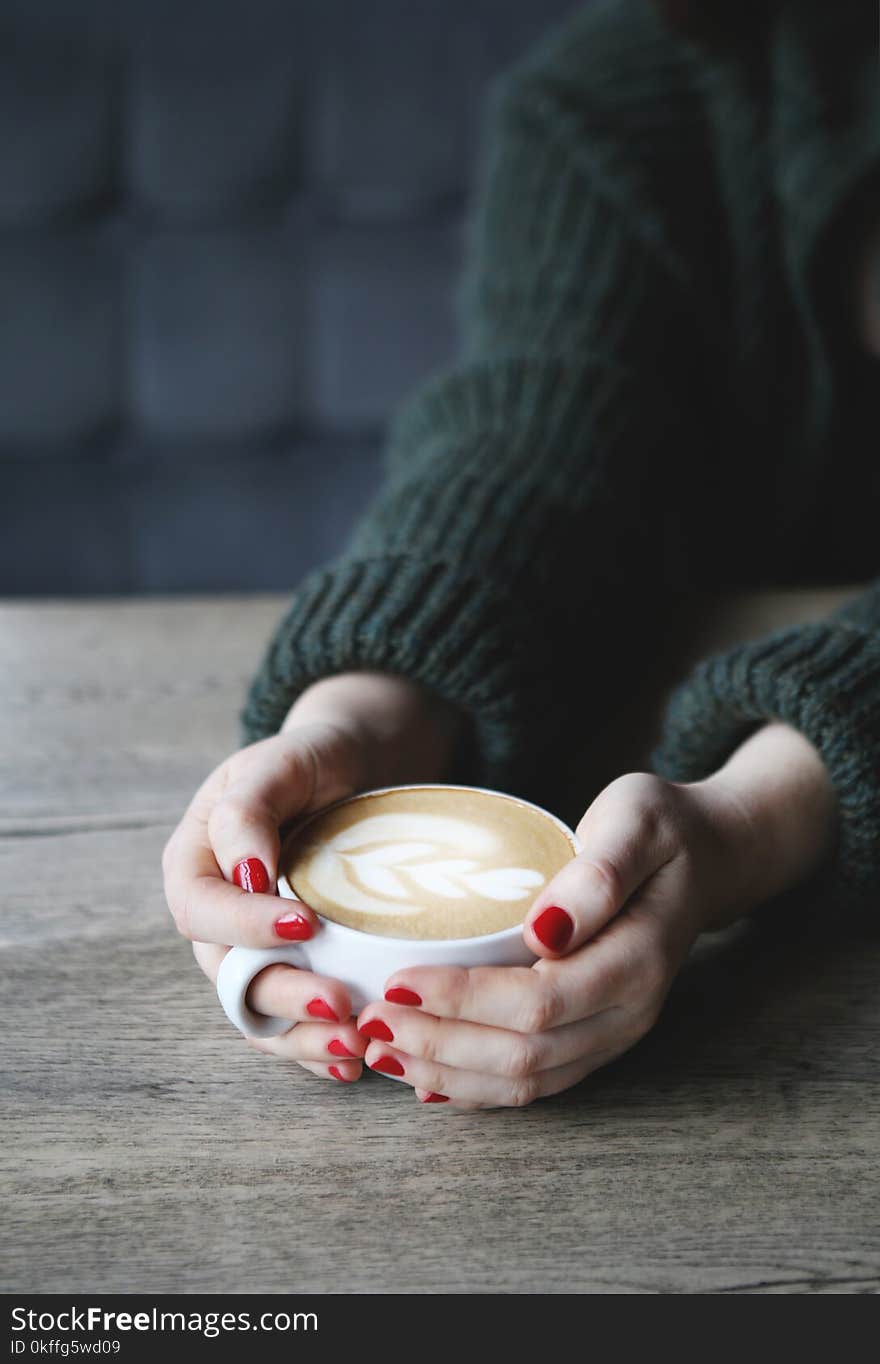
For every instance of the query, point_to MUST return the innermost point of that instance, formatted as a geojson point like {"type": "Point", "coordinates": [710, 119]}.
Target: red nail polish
{"type": "Point", "coordinates": [338, 1075]}
{"type": "Point", "coordinates": [433, 1098]}
{"type": "Point", "coordinates": [338, 1048]}
{"type": "Point", "coordinates": [294, 927]}
{"type": "Point", "coordinates": [400, 995]}
{"type": "Point", "coordinates": [251, 875]}
{"type": "Point", "coordinates": [389, 1065]}
{"type": "Point", "coordinates": [319, 1008]}
{"type": "Point", "coordinates": [554, 926]}
{"type": "Point", "coordinates": [376, 1028]}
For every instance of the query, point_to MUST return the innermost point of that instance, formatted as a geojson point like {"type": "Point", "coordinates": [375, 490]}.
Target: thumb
{"type": "Point", "coordinates": [622, 845]}
{"type": "Point", "coordinates": [288, 775]}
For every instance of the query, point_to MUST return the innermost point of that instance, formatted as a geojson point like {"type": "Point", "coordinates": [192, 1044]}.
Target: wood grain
{"type": "Point", "coordinates": [146, 1148]}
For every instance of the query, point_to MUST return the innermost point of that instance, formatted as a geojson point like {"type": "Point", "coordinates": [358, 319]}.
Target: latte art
{"type": "Point", "coordinates": [396, 856]}
{"type": "Point", "coordinates": [426, 862]}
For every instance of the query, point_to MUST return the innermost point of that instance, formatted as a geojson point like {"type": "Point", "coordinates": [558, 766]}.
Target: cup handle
{"type": "Point", "coordinates": [237, 970]}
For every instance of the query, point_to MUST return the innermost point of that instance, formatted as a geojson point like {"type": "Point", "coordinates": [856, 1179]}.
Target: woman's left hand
{"type": "Point", "coordinates": [660, 862]}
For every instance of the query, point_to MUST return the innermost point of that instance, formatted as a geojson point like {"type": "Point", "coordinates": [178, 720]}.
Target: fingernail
{"type": "Point", "coordinates": [376, 1028]}
{"type": "Point", "coordinates": [436, 1099]}
{"type": "Point", "coordinates": [251, 875]}
{"type": "Point", "coordinates": [338, 1075]}
{"type": "Point", "coordinates": [400, 995]}
{"type": "Point", "coordinates": [554, 926]}
{"type": "Point", "coordinates": [319, 1008]}
{"type": "Point", "coordinates": [389, 1065]}
{"type": "Point", "coordinates": [294, 927]}
{"type": "Point", "coordinates": [338, 1048]}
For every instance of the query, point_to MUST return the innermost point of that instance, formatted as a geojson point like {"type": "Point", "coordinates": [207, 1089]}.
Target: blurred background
{"type": "Point", "coordinates": [230, 235]}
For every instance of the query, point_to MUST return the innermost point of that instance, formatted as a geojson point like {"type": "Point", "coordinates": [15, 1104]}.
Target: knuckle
{"type": "Point", "coordinates": [232, 814]}
{"type": "Point", "coordinates": [650, 811]}
{"type": "Point", "coordinates": [182, 912]}
{"type": "Point", "coordinates": [435, 1080]}
{"type": "Point", "coordinates": [637, 789]}
{"type": "Point", "coordinates": [523, 1091]}
{"type": "Point", "coordinates": [455, 989]}
{"type": "Point", "coordinates": [604, 980]}
{"type": "Point", "coordinates": [610, 882]}
{"type": "Point", "coordinates": [647, 803]}
{"type": "Point", "coordinates": [428, 1045]}
{"type": "Point", "coordinates": [523, 1059]}
{"type": "Point", "coordinates": [542, 1009]}
{"type": "Point", "coordinates": [295, 761]}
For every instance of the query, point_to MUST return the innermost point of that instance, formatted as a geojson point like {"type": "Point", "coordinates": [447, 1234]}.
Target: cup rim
{"type": "Point", "coordinates": [419, 786]}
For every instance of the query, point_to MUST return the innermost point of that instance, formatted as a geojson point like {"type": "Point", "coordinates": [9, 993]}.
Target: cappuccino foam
{"type": "Point", "coordinates": [426, 862]}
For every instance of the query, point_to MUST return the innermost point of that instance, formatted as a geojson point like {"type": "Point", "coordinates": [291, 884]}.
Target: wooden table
{"type": "Point", "coordinates": [146, 1148]}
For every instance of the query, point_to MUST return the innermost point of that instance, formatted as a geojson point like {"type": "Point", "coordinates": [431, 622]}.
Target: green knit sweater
{"type": "Point", "coordinates": [652, 381]}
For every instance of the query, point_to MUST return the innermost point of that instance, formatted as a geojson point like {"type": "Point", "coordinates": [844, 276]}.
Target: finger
{"type": "Point", "coordinates": [626, 962]}
{"type": "Point", "coordinates": [291, 773]}
{"type": "Point", "coordinates": [471, 1089]}
{"type": "Point", "coordinates": [488, 1050]}
{"type": "Point", "coordinates": [625, 839]}
{"type": "Point", "coordinates": [319, 1042]}
{"type": "Point", "coordinates": [276, 994]}
{"type": "Point", "coordinates": [428, 1096]}
{"type": "Point", "coordinates": [344, 1072]}
{"type": "Point", "coordinates": [285, 992]}
{"type": "Point", "coordinates": [208, 909]}
{"type": "Point", "coordinates": [209, 956]}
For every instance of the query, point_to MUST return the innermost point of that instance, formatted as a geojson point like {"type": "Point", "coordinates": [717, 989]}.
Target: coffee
{"type": "Point", "coordinates": [432, 876]}
{"type": "Point", "coordinates": [425, 862]}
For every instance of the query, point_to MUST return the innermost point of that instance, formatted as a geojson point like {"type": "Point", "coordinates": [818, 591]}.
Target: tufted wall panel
{"type": "Point", "coordinates": [229, 237]}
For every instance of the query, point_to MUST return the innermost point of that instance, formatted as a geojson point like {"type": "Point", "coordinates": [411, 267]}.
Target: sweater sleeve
{"type": "Point", "coordinates": [521, 500]}
{"type": "Point", "coordinates": [822, 678]}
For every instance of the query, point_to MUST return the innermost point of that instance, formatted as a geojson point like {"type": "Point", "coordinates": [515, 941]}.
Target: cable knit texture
{"type": "Point", "coordinates": [823, 679]}
{"type": "Point", "coordinates": [646, 396]}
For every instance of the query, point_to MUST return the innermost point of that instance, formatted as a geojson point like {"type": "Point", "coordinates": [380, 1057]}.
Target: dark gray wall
{"type": "Point", "coordinates": [229, 238]}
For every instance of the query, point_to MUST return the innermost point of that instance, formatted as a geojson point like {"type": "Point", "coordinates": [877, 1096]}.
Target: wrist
{"type": "Point", "coordinates": [731, 887]}
{"type": "Point", "coordinates": [402, 731]}
{"type": "Point", "coordinates": [776, 809]}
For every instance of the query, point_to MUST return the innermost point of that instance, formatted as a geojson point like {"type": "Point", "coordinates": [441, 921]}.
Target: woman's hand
{"type": "Point", "coordinates": [661, 862]}
{"type": "Point", "coordinates": [344, 734]}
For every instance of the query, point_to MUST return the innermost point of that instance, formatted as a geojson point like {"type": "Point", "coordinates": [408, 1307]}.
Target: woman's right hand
{"type": "Point", "coordinates": [344, 734]}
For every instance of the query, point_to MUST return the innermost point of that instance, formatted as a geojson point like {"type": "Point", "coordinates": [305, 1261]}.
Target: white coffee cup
{"type": "Point", "coordinates": [364, 961]}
